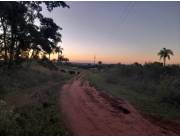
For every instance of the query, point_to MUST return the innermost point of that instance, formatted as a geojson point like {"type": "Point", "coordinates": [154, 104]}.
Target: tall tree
{"type": "Point", "coordinates": [165, 53]}
{"type": "Point", "coordinates": [58, 50]}
{"type": "Point", "coordinates": [51, 36]}
{"type": "Point", "coordinates": [19, 31]}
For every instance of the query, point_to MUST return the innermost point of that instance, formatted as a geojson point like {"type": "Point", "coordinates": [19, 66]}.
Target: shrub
{"type": "Point", "coordinates": [169, 91]}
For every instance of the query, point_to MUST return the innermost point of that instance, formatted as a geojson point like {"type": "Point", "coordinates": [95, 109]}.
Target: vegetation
{"type": "Point", "coordinates": [165, 53]}
{"type": "Point", "coordinates": [28, 93]}
{"type": "Point", "coordinates": [62, 58]}
{"type": "Point", "coordinates": [28, 101]}
{"type": "Point", "coordinates": [30, 89]}
{"type": "Point", "coordinates": [21, 37]}
{"type": "Point", "coordinates": [154, 89]}
{"type": "Point", "coordinates": [58, 50]}
{"type": "Point", "coordinates": [99, 62]}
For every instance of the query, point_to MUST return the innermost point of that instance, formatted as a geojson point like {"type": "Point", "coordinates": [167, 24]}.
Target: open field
{"type": "Point", "coordinates": [151, 88]}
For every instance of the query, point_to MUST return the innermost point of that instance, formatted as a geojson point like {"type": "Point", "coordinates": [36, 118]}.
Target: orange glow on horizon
{"type": "Point", "coordinates": [125, 59]}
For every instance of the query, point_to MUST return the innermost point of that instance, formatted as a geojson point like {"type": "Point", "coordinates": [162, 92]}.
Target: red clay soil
{"type": "Point", "coordinates": [87, 111]}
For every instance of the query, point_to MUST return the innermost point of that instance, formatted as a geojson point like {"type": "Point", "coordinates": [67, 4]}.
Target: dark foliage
{"type": "Point", "coordinates": [20, 33]}
{"type": "Point", "coordinates": [150, 78]}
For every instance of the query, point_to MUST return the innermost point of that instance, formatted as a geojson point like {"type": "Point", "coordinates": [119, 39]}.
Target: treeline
{"type": "Point", "coordinates": [25, 32]}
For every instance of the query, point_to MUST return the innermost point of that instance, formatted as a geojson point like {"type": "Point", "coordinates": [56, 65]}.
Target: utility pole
{"type": "Point", "coordinates": [94, 59]}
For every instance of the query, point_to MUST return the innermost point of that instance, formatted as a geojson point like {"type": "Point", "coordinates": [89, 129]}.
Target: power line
{"type": "Point", "coordinates": [127, 11]}
{"type": "Point", "coordinates": [124, 11]}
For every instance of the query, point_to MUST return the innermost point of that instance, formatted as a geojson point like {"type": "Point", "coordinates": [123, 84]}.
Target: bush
{"type": "Point", "coordinates": [169, 92]}
{"type": "Point", "coordinates": [153, 70]}
{"type": "Point", "coordinates": [7, 120]}
{"type": "Point", "coordinates": [48, 64]}
{"type": "Point", "coordinates": [111, 79]}
{"type": "Point", "coordinates": [29, 105]}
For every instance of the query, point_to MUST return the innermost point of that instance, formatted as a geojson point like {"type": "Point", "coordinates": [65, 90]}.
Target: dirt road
{"type": "Point", "coordinates": [90, 112]}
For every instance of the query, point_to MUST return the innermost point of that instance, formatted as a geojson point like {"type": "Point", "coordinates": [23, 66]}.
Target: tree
{"type": "Point", "coordinates": [19, 33]}
{"type": "Point", "coordinates": [66, 60]}
{"type": "Point", "coordinates": [58, 50]}
{"type": "Point", "coordinates": [165, 53]}
{"type": "Point", "coordinates": [99, 62]}
{"type": "Point", "coordinates": [61, 58]}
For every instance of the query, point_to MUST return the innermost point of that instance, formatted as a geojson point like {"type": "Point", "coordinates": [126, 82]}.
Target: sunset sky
{"type": "Point", "coordinates": [115, 32]}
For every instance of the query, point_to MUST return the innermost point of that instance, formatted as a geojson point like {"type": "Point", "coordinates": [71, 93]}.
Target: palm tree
{"type": "Point", "coordinates": [58, 50]}
{"type": "Point", "coordinates": [165, 53]}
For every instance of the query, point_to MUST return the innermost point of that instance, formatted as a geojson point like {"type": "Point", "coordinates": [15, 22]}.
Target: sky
{"type": "Point", "coordinates": [118, 32]}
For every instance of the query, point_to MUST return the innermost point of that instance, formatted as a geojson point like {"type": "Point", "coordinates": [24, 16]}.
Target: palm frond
{"type": "Point", "coordinates": [168, 56]}
{"type": "Point", "coordinates": [165, 53]}
{"type": "Point", "coordinates": [170, 52]}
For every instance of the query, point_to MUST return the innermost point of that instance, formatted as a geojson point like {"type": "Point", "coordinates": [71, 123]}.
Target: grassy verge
{"type": "Point", "coordinates": [28, 101]}
{"type": "Point", "coordinates": [158, 98]}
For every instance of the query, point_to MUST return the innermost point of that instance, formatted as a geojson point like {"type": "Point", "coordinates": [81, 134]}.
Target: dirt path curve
{"type": "Point", "coordinates": [89, 112]}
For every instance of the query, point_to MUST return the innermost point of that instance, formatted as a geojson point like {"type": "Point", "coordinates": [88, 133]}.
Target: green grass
{"type": "Point", "coordinates": [28, 101]}
{"type": "Point", "coordinates": [149, 97]}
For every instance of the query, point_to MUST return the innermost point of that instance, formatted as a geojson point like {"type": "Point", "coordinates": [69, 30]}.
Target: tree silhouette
{"type": "Point", "coordinates": [58, 50]}
{"type": "Point", "coordinates": [99, 62]}
{"type": "Point", "coordinates": [61, 58]}
{"type": "Point", "coordinates": [66, 60]}
{"type": "Point", "coordinates": [19, 33]}
{"type": "Point", "coordinates": [165, 53]}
